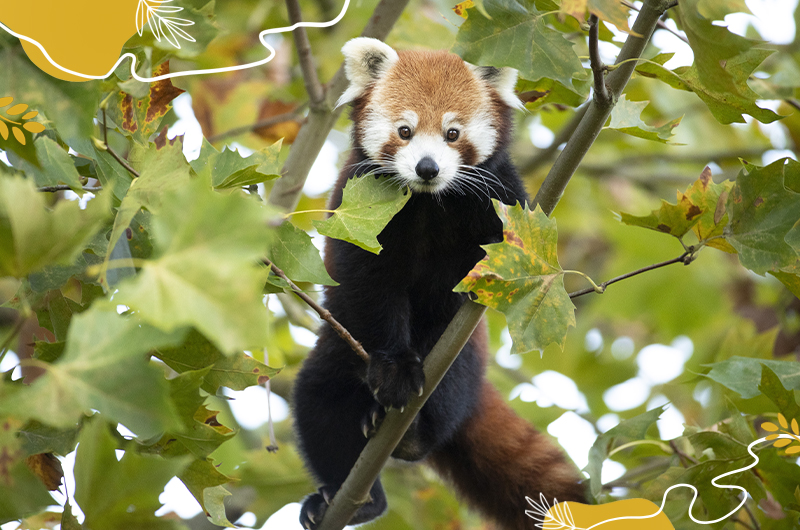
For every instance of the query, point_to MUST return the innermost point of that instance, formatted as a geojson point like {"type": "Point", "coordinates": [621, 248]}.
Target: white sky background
{"type": "Point", "coordinates": [658, 363]}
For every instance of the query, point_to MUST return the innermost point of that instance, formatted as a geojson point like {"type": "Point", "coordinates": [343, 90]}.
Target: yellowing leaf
{"type": "Point", "coordinates": [673, 219]}
{"type": "Point", "coordinates": [711, 198]}
{"type": "Point", "coordinates": [521, 278]}
{"type": "Point", "coordinates": [460, 9]}
{"type": "Point", "coordinates": [769, 426]}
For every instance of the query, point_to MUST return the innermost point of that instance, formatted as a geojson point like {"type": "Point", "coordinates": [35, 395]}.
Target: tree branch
{"type": "Point", "coordinates": [596, 115]}
{"type": "Point", "coordinates": [266, 122]}
{"type": "Point", "coordinates": [62, 187]}
{"type": "Point", "coordinates": [311, 137]}
{"type": "Point", "coordinates": [323, 313]}
{"type": "Point", "coordinates": [355, 490]}
{"type": "Point", "coordinates": [316, 93]}
{"type": "Point", "coordinates": [685, 258]}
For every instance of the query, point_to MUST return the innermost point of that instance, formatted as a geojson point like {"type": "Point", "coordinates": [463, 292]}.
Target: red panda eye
{"type": "Point", "coordinates": [404, 132]}
{"type": "Point", "coordinates": [452, 135]}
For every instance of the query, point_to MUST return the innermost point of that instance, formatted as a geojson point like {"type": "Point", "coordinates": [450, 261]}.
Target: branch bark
{"type": "Point", "coordinates": [355, 490]}
{"type": "Point", "coordinates": [598, 111]}
{"type": "Point", "coordinates": [316, 94]}
{"type": "Point", "coordinates": [286, 191]}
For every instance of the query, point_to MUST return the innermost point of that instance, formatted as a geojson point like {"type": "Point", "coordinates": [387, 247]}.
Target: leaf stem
{"type": "Point", "coordinates": [111, 152]}
{"type": "Point", "coordinates": [323, 313]}
{"type": "Point", "coordinates": [684, 258]}
{"type": "Point", "coordinates": [287, 215]}
{"type": "Point", "coordinates": [598, 289]}
{"type": "Point", "coordinates": [664, 447]}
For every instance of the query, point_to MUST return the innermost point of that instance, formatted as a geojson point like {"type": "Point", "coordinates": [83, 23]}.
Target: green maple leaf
{"type": "Point", "coordinates": [229, 169]}
{"type": "Point", "coordinates": [295, 254]}
{"type": "Point", "coordinates": [516, 35]}
{"type": "Point", "coordinates": [625, 118]}
{"type": "Point", "coordinates": [762, 213]}
{"type": "Point", "coordinates": [521, 278]}
{"type": "Point", "coordinates": [205, 273]}
{"type": "Point", "coordinates": [368, 204]}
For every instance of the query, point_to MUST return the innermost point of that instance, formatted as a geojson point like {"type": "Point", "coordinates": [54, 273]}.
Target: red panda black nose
{"type": "Point", "coordinates": [427, 168]}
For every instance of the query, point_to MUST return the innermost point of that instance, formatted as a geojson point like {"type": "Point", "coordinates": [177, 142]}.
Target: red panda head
{"type": "Point", "coordinates": [427, 117]}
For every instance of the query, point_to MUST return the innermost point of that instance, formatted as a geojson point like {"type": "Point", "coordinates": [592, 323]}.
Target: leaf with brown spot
{"type": "Point", "coordinates": [673, 219]}
{"type": "Point", "coordinates": [460, 9]}
{"type": "Point", "coordinates": [48, 468]}
{"type": "Point", "coordinates": [521, 278]}
{"type": "Point", "coordinates": [140, 118]}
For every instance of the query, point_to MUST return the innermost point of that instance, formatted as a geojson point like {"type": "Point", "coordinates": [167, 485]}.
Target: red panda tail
{"type": "Point", "coordinates": [497, 459]}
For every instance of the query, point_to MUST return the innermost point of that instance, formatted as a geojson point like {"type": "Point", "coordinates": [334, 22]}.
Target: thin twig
{"type": "Point", "coordinates": [660, 23]}
{"type": "Point", "coordinates": [756, 526]}
{"type": "Point", "coordinates": [266, 122]}
{"type": "Point", "coordinates": [62, 187]}
{"type": "Point", "coordinates": [737, 520]}
{"type": "Point", "coordinates": [323, 313]}
{"type": "Point", "coordinates": [111, 152]}
{"type": "Point", "coordinates": [681, 455]}
{"type": "Point", "coordinates": [598, 68]}
{"type": "Point", "coordinates": [316, 93]}
{"type": "Point", "coordinates": [684, 258]}
{"type": "Point", "coordinates": [794, 103]}
{"type": "Point", "coordinates": [7, 342]}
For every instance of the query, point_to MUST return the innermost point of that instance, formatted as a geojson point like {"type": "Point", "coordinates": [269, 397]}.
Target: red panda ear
{"type": "Point", "coordinates": [365, 61]}
{"type": "Point", "coordinates": [503, 80]}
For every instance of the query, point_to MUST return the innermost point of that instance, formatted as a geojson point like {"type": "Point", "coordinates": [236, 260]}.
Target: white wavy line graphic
{"type": "Point", "coordinates": [541, 512]}
{"type": "Point", "coordinates": [261, 37]}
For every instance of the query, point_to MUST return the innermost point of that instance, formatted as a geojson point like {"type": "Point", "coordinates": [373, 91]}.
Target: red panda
{"type": "Point", "coordinates": [440, 126]}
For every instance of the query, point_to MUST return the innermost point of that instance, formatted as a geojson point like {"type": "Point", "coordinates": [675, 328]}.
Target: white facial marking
{"type": "Point", "coordinates": [482, 134]}
{"type": "Point", "coordinates": [409, 118]}
{"type": "Point", "coordinates": [420, 146]}
{"type": "Point", "coordinates": [378, 129]}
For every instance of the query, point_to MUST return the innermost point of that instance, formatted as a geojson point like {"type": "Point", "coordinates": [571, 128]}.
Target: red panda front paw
{"type": "Point", "coordinates": [372, 419]}
{"type": "Point", "coordinates": [315, 506]}
{"type": "Point", "coordinates": [394, 379]}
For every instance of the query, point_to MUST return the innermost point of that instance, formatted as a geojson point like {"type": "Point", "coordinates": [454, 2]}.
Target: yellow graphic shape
{"type": "Point", "coordinates": [584, 516]}
{"type": "Point", "coordinates": [84, 36]}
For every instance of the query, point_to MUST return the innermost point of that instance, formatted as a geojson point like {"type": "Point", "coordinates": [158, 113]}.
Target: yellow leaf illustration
{"type": "Point", "coordinates": [792, 450]}
{"type": "Point", "coordinates": [3, 130]}
{"type": "Point", "coordinates": [6, 101]}
{"type": "Point", "coordinates": [783, 442]}
{"type": "Point", "coordinates": [782, 421]}
{"type": "Point", "coordinates": [18, 135]}
{"type": "Point", "coordinates": [31, 114]}
{"type": "Point", "coordinates": [794, 427]}
{"type": "Point", "coordinates": [772, 437]}
{"type": "Point", "coordinates": [17, 109]}
{"type": "Point", "coordinates": [769, 426]}
{"type": "Point", "coordinates": [34, 127]}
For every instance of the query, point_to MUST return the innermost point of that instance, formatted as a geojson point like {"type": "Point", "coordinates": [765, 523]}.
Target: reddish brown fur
{"type": "Point", "coordinates": [497, 459]}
